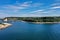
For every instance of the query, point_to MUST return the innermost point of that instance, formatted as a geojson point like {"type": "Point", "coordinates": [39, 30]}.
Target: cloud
{"type": "Point", "coordinates": [55, 7]}
{"type": "Point", "coordinates": [26, 4]}
{"type": "Point", "coordinates": [55, 4]}
{"type": "Point", "coordinates": [20, 6]}
{"type": "Point", "coordinates": [38, 15]}
{"type": "Point", "coordinates": [18, 9]}
{"type": "Point", "coordinates": [23, 5]}
{"type": "Point", "coordinates": [29, 4]}
{"type": "Point", "coordinates": [15, 9]}
{"type": "Point", "coordinates": [45, 12]}
{"type": "Point", "coordinates": [2, 15]}
{"type": "Point", "coordinates": [36, 11]}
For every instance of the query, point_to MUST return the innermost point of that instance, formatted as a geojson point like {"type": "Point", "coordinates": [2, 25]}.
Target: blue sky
{"type": "Point", "coordinates": [29, 8]}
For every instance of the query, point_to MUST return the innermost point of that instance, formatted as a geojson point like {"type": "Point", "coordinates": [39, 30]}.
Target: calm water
{"type": "Point", "coordinates": [30, 31]}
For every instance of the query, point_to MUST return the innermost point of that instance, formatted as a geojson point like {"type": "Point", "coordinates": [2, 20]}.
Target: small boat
{"type": "Point", "coordinates": [6, 19]}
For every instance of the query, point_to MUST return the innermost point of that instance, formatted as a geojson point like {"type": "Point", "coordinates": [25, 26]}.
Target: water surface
{"type": "Point", "coordinates": [31, 31]}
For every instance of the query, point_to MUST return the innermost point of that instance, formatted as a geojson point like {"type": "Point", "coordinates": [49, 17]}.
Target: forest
{"type": "Point", "coordinates": [35, 19]}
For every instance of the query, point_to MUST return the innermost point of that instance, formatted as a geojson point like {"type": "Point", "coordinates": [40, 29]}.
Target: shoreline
{"type": "Point", "coordinates": [45, 22]}
{"type": "Point", "coordinates": [41, 22]}
{"type": "Point", "coordinates": [4, 25]}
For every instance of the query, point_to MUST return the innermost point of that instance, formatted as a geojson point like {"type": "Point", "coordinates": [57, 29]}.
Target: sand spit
{"type": "Point", "coordinates": [4, 25]}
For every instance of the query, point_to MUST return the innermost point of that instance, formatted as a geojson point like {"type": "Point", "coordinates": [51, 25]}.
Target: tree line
{"type": "Point", "coordinates": [35, 19]}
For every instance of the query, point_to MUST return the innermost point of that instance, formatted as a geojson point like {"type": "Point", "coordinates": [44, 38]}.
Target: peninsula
{"type": "Point", "coordinates": [4, 25]}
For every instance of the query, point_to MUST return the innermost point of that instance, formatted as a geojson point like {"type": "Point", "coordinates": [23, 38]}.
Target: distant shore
{"type": "Point", "coordinates": [4, 25]}
{"type": "Point", "coordinates": [42, 22]}
{"type": "Point", "coordinates": [45, 22]}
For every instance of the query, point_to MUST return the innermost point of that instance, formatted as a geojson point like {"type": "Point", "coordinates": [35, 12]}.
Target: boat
{"type": "Point", "coordinates": [5, 19]}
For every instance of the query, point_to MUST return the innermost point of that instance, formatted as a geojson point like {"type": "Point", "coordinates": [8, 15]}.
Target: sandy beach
{"type": "Point", "coordinates": [4, 25]}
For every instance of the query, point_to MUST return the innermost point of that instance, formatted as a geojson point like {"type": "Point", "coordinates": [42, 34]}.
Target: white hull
{"type": "Point", "coordinates": [5, 20]}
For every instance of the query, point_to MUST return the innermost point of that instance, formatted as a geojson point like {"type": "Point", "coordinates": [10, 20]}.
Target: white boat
{"type": "Point", "coordinates": [6, 19]}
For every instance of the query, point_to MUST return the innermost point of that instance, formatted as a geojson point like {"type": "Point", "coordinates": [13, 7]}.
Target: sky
{"type": "Point", "coordinates": [29, 8]}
